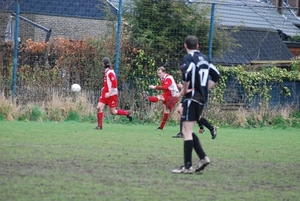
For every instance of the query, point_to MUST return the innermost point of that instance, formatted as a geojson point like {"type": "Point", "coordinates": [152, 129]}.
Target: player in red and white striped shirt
{"type": "Point", "coordinates": [109, 94]}
{"type": "Point", "coordinates": [168, 97]}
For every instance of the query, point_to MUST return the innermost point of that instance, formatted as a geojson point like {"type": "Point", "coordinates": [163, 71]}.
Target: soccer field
{"type": "Point", "coordinates": [71, 161]}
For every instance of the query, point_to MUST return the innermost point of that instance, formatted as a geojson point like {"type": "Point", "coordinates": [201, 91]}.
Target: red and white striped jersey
{"type": "Point", "coordinates": [110, 82]}
{"type": "Point", "coordinates": [168, 85]}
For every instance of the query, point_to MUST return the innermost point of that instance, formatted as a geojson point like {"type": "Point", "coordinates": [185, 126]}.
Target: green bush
{"type": "Point", "coordinates": [36, 114]}
{"type": "Point", "coordinates": [2, 118]}
{"type": "Point", "coordinates": [73, 116]}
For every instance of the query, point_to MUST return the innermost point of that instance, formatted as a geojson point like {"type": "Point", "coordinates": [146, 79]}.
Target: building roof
{"type": "Point", "coordinates": [258, 24]}
{"type": "Point", "coordinates": [92, 9]}
{"type": "Point", "coordinates": [290, 14]}
{"type": "Point", "coordinates": [254, 45]}
{"type": "Point", "coordinates": [251, 13]}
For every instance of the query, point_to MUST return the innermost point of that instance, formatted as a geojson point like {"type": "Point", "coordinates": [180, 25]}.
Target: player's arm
{"type": "Point", "coordinates": [185, 89]}
{"type": "Point", "coordinates": [180, 87]}
{"type": "Point", "coordinates": [114, 83]}
{"type": "Point", "coordinates": [185, 86]}
{"type": "Point", "coordinates": [186, 77]}
{"type": "Point", "coordinates": [163, 87]}
{"type": "Point", "coordinates": [215, 76]}
{"type": "Point", "coordinates": [158, 87]}
{"type": "Point", "coordinates": [166, 85]}
{"type": "Point", "coordinates": [211, 84]}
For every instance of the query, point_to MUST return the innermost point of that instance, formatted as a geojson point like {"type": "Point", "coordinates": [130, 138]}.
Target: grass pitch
{"type": "Point", "coordinates": [71, 161]}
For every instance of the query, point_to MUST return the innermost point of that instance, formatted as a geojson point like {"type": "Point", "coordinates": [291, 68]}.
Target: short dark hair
{"type": "Point", "coordinates": [191, 42]}
{"type": "Point", "coordinates": [162, 69]}
{"type": "Point", "coordinates": [106, 62]}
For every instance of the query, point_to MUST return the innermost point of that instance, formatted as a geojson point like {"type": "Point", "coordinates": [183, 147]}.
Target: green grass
{"type": "Point", "coordinates": [71, 161]}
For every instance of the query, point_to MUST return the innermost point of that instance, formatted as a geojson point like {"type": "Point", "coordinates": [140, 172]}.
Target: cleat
{"type": "Point", "coordinates": [183, 170]}
{"type": "Point", "coordinates": [201, 129]}
{"type": "Point", "coordinates": [202, 164]}
{"type": "Point", "coordinates": [98, 128]}
{"type": "Point", "coordinates": [213, 133]}
{"type": "Point", "coordinates": [129, 117]}
{"type": "Point", "coordinates": [145, 95]}
{"type": "Point", "coordinates": [159, 128]}
{"type": "Point", "coordinates": [179, 135]}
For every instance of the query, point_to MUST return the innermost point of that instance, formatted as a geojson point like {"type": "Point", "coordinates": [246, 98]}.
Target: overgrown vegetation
{"type": "Point", "coordinates": [46, 71]}
{"type": "Point", "coordinates": [76, 107]}
{"type": "Point", "coordinates": [257, 83]}
{"type": "Point", "coordinates": [40, 82]}
{"type": "Point", "coordinates": [295, 38]}
{"type": "Point", "coordinates": [43, 90]}
{"type": "Point", "coordinates": [155, 32]}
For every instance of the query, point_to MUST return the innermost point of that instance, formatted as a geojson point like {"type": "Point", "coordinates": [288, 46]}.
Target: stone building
{"type": "Point", "coordinates": [71, 19]}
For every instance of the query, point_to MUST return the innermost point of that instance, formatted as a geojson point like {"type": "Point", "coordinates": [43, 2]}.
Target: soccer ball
{"type": "Point", "coordinates": [76, 88]}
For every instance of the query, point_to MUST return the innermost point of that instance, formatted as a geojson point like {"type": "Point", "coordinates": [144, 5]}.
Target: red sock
{"type": "Point", "coordinates": [164, 120]}
{"type": "Point", "coordinates": [152, 99]}
{"type": "Point", "coordinates": [100, 116]}
{"type": "Point", "coordinates": [122, 112]}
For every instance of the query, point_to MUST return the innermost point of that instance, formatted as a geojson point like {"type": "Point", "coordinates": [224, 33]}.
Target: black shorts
{"type": "Point", "coordinates": [192, 110]}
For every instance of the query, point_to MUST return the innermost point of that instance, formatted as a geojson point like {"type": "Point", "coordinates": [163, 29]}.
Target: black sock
{"type": "Point", "coordinates": [180, 125]}
{"type": "Point", "coordinates": [197, 146]}
{"type": "Point", "coordinates": [188, 149]}
{"type": "Point", "coordinates": [204, 122]}
{"type": "Point", "coordinates": [199, 122]}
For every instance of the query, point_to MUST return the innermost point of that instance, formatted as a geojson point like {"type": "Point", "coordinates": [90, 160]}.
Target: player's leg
{"type": "Point", "coordinates": [187, 130]}
{"type": "Point", "coordinates": [113, 103]}
{"type": "Point", "coordinates": [164, 118]}
{"type": "Point", "coordinates": [203, 159]}
{"type": "Point", "coordinates": [197, 146]}
{"type": "Point", "coordinates": [179, 110]}
{"type": "Point", "coordinates": [169, 103]}
{"type": "Point", "coordinates": [201, 128]}
{"type": "Point", "coordinates": [152, 99]}
{"type": "Point", "coordinates": [212, 129]}
{"type": "Point", "coordinates": [188, 118]}
{"type": "Point", "coordinates": [100, 109]}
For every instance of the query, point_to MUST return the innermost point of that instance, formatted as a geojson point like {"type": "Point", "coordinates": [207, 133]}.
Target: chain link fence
{"type": "Point", "coordinates": [63, 42]}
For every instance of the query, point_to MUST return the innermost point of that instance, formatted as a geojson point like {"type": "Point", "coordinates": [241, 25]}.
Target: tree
{"type": "Point", "coordinates": [159, 27]}
{"type": "Point", "coordinates": [156, 30]}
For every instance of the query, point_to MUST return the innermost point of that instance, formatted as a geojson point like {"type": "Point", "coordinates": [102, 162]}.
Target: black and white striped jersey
{"type": "Point", "coordinates": [197, 70]}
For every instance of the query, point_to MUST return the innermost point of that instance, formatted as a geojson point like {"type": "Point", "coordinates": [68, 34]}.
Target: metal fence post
{"type": "Point", "coordinates": [16, 43]}
{"type": "Point", "coordinates": [118, 38]}
{"type": "Point", "coordinates": [211, 32]}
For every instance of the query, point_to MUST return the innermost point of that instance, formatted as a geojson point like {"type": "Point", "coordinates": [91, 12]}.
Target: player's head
{"type": "Point", "coordinates": [106, 62]}
{"type": "Point", "coordinates": [161, 71]}
{"type": "Point", "coordinates": [191, 43]}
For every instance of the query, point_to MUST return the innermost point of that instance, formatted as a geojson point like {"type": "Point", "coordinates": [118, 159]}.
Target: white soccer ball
{"type": "Point", "coordinates": [76, 88]}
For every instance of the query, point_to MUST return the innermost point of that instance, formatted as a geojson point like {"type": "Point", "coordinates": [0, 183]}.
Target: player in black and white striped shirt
{"type": "Point", "coordinates": [196, 70]}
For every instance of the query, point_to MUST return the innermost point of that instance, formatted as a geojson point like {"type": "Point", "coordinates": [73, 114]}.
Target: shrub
{"type": "Point", "coordinates": [31, 112]}
{"type": "Point", "coordinates": [73, 116]}
{"type": "Point", "coordinates": [8, 108]}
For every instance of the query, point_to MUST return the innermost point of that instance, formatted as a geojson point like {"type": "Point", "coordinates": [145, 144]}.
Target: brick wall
{"type": "Point", "coordinates": [66, 27]}
{"type": "Point", "coordinates": [292, 3]}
